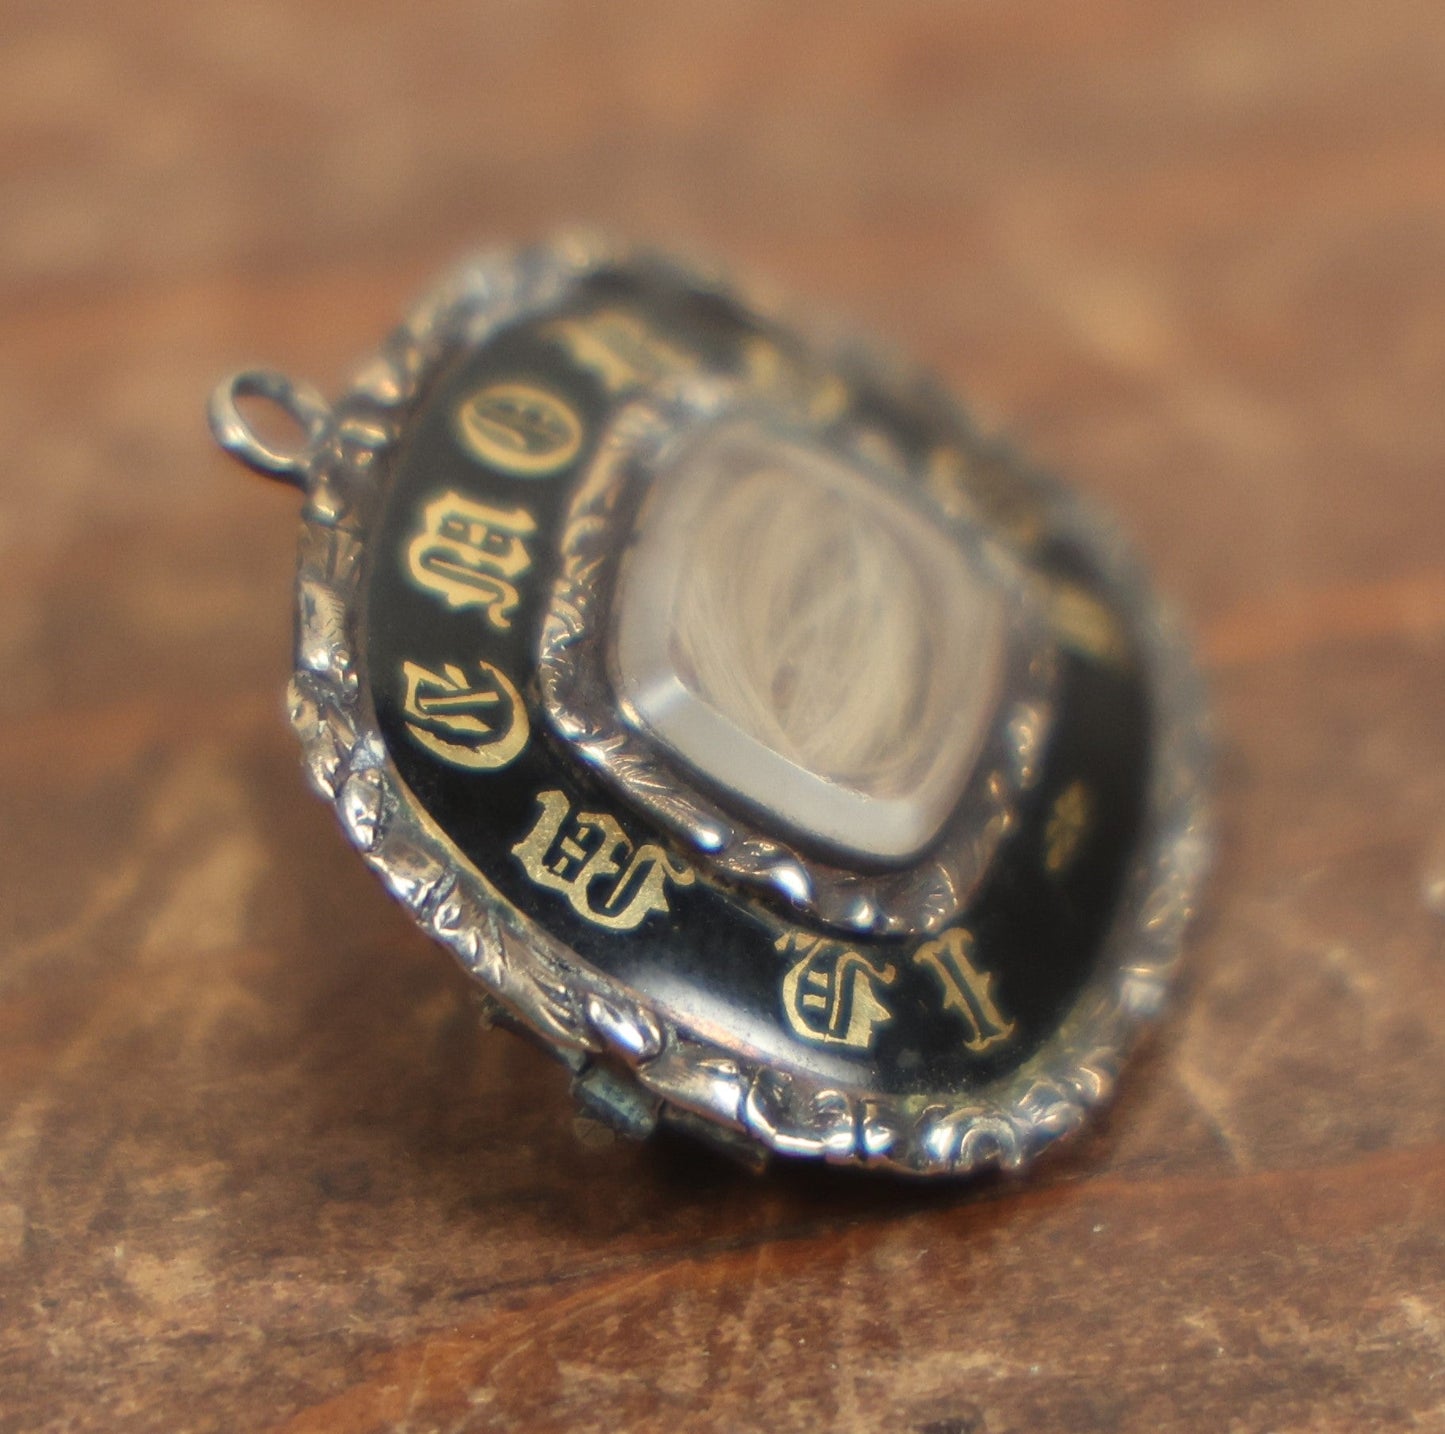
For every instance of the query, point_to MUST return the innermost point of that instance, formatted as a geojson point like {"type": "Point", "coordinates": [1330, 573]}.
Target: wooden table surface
{"type": "Point", "coordinates": [259, 1168]}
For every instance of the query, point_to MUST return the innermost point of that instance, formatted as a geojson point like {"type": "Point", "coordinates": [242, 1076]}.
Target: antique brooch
{"type": "Point", "coordinates": [800, 769]}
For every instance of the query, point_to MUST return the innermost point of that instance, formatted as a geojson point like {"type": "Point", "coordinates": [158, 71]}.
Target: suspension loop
{"type": "Point", "coordinates": [298, 401]}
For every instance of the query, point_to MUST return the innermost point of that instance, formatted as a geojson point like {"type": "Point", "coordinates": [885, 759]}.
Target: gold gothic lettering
{"type": "Point", "coordinates": [817, 394]}
{"type": "Point", "coordinates": [587, 858]}
{"type": "Point", "coordinates": [966, 989]}
{"type": "Point", "coordinates": [523, 430]}
{"type": "Point", "coordinates": [1066, 828]}
{"type": "Point", "coordinates": [831, 994]}
{"type": "Point", "coordinates": [471, 554]}
{"type": "Point", "coordinates": [479, 723]}
{"type": "Point", "coordinates": [620, 349]}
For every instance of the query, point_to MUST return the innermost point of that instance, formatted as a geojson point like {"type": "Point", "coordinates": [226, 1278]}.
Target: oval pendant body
{"type": "Point", "coordinates": [800, 769]}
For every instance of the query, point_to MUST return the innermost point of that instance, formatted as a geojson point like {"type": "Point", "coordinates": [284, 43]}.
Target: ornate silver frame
{"type": "Point", "coordinates": [572, 672]}
{"type": "Point", "coordinates": [596, 1024]}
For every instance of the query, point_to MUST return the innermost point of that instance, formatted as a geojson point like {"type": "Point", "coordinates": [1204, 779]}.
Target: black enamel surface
{"type": "Point", "coordinates": [1037, 933]}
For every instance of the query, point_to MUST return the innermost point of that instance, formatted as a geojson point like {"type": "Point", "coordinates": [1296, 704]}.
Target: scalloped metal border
{"type": "Point", "coordinates": [580, 1012]}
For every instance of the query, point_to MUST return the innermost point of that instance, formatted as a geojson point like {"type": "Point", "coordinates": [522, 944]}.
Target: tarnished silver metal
{"type": "Point", "coordinates": [298, 401]}
{"type": "Point", "coordinates": [672, 1068]}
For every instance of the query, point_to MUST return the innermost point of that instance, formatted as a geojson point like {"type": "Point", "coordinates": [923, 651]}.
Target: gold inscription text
{"type": "Point", "coordinates": [1066, 827]}
{"type": "Point", "coordinates": [520, 429]}
{"type": "Point", "coordinates": [620, 349]}
{"type": "Point", "coordinates": [814, 392]}
{"type": "Point", "coordinates": [1087, 626]}
{"type": "Point", "coordinates": [966, 989]}
{"type": "Point", "coordinates": [587, 858]}
{"type": "Point", "coordinates": [471, 554]}
{"type": "Point", "coordinates": [479, 723]}
{"type": "Point", "coordinates": [831, 994]}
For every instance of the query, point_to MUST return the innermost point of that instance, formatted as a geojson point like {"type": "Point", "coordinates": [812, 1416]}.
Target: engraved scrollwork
{"type": "Point", "coordinates": [798, 1117]}
{"type": "Point", "coordinates": [362, 803]}
{"type": "Point", "coordinates": [626, 1028]}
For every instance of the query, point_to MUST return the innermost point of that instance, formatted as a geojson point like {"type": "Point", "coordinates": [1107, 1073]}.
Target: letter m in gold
{"type": "Point", "coordinates": [472, 554]}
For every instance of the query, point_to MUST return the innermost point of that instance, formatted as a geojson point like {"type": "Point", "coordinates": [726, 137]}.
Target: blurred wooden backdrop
{"type": "Point", "coordinates": [259, 1168]}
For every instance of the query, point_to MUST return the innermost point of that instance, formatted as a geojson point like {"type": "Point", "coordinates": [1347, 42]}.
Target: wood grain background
{"type": "Point", "coordinates": [259, 1169]}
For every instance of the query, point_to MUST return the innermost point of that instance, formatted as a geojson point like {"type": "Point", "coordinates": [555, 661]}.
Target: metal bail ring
{"type": "Point", "coordinates": [298, 401]}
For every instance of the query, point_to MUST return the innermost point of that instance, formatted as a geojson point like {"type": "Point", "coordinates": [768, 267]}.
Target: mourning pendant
{"type": "Point", "coordinates": [802, 770]}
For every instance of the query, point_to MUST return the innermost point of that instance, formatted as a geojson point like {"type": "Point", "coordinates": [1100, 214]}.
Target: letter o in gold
{"type": "Point", "coordinates": [520, 429]}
